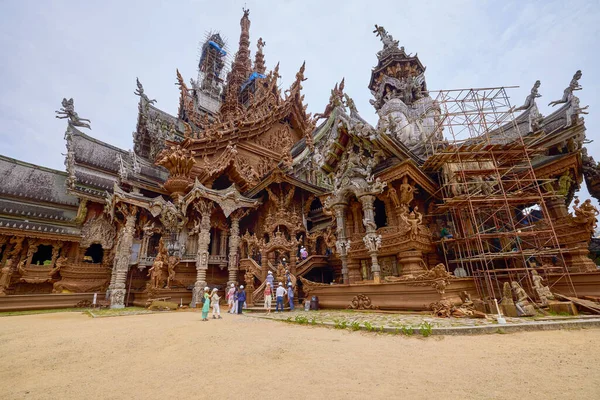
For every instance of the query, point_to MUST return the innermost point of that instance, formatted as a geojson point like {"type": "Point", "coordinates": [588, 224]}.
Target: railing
{"type": "Point", "coordinates": [246, 263]}
{"type": "Point", "coordinates": [306, 265]}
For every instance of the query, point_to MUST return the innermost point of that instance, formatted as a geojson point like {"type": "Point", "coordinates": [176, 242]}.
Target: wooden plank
{"type": "Point", "coordinates": [586, 304]}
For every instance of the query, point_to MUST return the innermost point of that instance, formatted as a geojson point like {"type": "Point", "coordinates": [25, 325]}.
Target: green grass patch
{"type": "Point", "coordinates": [116, 312]}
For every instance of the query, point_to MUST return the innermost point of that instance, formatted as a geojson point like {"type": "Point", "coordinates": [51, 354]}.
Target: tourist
{"type": "Point", "coordinates": [268, 293]}
{"type": "Point", "coordinates": [214, 303]}
{"type": "Point", "coordinates": [270, 278]}
{"type": "Point", "coordinates": [235, 300]}
{"type": "Point", "coordinates": [205, 304]}
{"type": "Point", "coordinates": [229, 297]}
{"type": "Point", "coordinates": [241, 299]}
{"type": "Point", "coordinates": [303, 253]}
{"type": "Point", "coordinates": [288, 277]}
{"type": "Point", "coordinates": [290, 294]}
{"type": "Point", "coordinates": [280, 292]}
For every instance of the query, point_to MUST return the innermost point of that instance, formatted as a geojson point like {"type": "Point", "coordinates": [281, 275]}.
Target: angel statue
{"type": "Point", "coordinates": [140, 92]}
{"type": "Point", "coordinates": [68, 111]}
{"type": "Point", "coordinates": [568, 93]}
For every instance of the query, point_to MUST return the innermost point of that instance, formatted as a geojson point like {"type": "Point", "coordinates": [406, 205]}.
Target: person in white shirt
{"type": "Point", "coordinates": [230, 300]}
{"type": "Point", "coordinates": [279, 293]}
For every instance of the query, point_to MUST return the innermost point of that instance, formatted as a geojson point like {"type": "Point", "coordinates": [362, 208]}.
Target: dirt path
{"type": "Point", "coordinates": [175, 355]}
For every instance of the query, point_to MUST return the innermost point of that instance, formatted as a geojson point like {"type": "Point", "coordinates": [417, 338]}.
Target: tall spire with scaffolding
{"type": "Point", "coordinates": [240, 70]}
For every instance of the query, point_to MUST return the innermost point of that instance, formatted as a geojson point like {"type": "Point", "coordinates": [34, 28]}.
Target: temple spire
{"type": "Point", "coordinates": [259, 58]}
{"type": "Point", "coordinates": [240, 71]}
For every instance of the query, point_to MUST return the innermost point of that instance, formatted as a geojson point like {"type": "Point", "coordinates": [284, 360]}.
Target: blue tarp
{"type": "Point", "coordinates": [253, 76]}
{"type": "Point", "coordinates": [216, 46]}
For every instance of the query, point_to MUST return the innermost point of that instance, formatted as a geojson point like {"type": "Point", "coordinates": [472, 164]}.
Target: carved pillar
{"type": "Point", "coordinates": [223, 249]}
{"type": "Point", "coordinates": [234, 242]}
{"type": "Point", "coordinates": [213, 243]}
{"type": "Point", "coordinates": [293, 259]}
{"type": "Point", "coordinates": [264, 263]}
{"type": "Point", "coordinates": [205, 210]}
{"type": "Point", "coordinates": [371, 239]}
{"type": "Point", "coordinates": [122, 257]}
{"type": "Point", "coordinates": [342, 243]}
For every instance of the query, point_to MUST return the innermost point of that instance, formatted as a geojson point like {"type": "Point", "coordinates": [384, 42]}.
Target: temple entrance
{"type": "Point", "coordinates": [94, 254]}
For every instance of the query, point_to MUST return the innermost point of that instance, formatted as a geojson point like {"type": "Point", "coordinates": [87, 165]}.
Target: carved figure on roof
{"type": "Point", "coordinates": [586, 214]}
{"type": "Point", "coordinates": [414, 220]}
{"type": "Point", "coordinates": [393, 195]}
{"type": "Point", "coordinates": [568, 93]}
{"type": "Point", "coordinates": [530, 100]}
{"type": "Point", "coordinates": [407, 192]}
{"type": "Point", "coordinates": [574, 110]}
{"type": "Point", "coordinates": [564, 184]}
{"type": "Point", "coordinates": [140, 92]}
{"type": "Point", "coordinates": [335, 100]}
{"type": "Point", "coordinates": [387, 39]}
{"type": "Point", "coordinates": [68, 111]}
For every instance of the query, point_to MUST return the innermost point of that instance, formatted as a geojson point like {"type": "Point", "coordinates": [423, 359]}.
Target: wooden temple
{"type": "Point", "coordinates": [452, 193]}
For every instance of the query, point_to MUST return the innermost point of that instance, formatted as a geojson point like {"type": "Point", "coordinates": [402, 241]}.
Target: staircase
{"type": "Point", "coordinates": [311, 262]}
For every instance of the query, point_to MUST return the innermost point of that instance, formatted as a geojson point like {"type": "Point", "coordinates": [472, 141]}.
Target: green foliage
{"type": "Point", "coordinates": [355, 325]}
{"type": "Point", "coordinates": [369, 327]}
{"type": "Point", "coordinates": [313, 321]}
{"type": "Point", "coordinates": [288, 319]}
{"type": "Point", "coordinates": [426, 328]}
{"type": "Point", "coordinates": [407, 330]}
{"type": "Point", "coordinates": [300, 319]}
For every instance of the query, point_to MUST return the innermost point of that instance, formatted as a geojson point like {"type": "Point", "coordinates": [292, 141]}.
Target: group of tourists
{"type": "Point", "coordinates": [236, 300]}
{"type": "Point", "coordinates": [279, 293]}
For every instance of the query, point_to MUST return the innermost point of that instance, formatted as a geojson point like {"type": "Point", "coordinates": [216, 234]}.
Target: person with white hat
{"type": "Point", "coordinates": [214, 303]}
{"type": "Point", "coordinates": [270, 278]}
{"type": "Point", "coordinates": [279, 296]}
{"type": "Point", "coordinates": [241, 299]}
{"type": "Point", "coordinates": [205, 304]}
{"type": "Point", "coordinates": [230, 299]}
{"type": "Point", "coordinates": [268, 299]}
{"type": "Point", "coordinates": [290, 294]}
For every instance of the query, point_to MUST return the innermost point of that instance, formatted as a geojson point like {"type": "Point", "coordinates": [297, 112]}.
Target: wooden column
{"type": "Point", "coordinates": [122, 256]}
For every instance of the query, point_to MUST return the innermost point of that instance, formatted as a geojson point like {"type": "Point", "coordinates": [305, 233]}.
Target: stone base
{"type": "Point", "coordinates": [484, 307]}
{"type": "Point", "coordinates": [529, 311]}
{"type": "Point", "coordinates": [562, 307]}
{"type": "Point", "coordinates": [578, 261]}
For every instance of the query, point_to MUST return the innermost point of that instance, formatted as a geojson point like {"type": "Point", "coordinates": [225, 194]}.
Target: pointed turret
{"type": "Point", "coordinates": [240, 71]}
{"type": "Point", "coordinates": [259, 58]}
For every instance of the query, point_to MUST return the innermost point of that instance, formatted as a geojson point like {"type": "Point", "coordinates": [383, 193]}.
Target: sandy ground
{"type": "Point", "coordinates": [175, 355]}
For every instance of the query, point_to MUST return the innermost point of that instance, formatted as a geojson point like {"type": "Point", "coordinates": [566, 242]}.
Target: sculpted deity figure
{"type": "Point", "coordinates": [140, 92]}
{"type": "Point", "coordinates": [522, 301]}
{"type": "Point", "coordinates": [172, 262]}
{"type": "Point", "coordinates": [5, 275]}
{"type": "Point", "coordinates": [542, 291]}
{"type": "Point", "coordinates": [568, 93]}
{"type": "Point", "coordinates": [586, 214]}
{"type": "Point", "coordinates": [393, 195]}
{"type": "Point", "coordinates": [507, 295]}
{"type": "Point", "coordinates": [564, 184]}
{"type": "Point", "coordinates": [407, 192]}
{"type": "Point", "coordinates": [68, 111]}
{"type": "Point", "coordinates": [413, 219]}
{"type": "Point", "coordinates": [155, 272]}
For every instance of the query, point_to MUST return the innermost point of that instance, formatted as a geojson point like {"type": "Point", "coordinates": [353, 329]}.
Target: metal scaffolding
{"type": "Point", "coordinates": [499, 226]}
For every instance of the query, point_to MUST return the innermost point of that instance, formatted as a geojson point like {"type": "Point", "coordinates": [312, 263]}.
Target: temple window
{"type": "Point", "coordinates": [94, 254]}
{"type": "Point", "coordinates": [42, 255]}
{"type": "Point", "coordinates": [380, 215]}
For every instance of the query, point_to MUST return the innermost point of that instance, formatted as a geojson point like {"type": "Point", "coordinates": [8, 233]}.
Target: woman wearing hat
{"type": "Point", "coordinates": [205, 304]}
{"type": "Point", "coordinates": [230, 299]}
{"type": "Point", "coordinates": [214, 303]}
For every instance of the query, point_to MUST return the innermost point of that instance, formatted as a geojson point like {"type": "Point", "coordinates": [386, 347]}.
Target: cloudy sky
{"type": "Point", "coordinates": [93, 51]}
